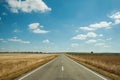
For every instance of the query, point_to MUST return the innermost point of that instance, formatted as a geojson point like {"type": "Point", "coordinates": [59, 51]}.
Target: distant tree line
{"type": "Point", "coordinates": [23, 52]}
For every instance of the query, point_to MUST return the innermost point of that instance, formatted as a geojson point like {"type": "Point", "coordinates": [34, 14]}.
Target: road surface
{"type": "Point", "coordinates": [62, 68]}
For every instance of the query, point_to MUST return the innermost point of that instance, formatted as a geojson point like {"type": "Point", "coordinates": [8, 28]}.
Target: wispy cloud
{"type": "Point", "coordinates": [27, 6]}
{"type": "Point", "coordinates": [4, 14]}
{"type": "Point", "coordinates": [91, 41]}
{"type": "Point", "coordinates": [101, 40]}
{"type": "Point", "coordinates": [109, 39]}
{"type": "Point", "coordinates": [46, 41]}
{"type": "Point", "coordinates": [2, 48]}
{"type": "Point", "coordinates": [0, 18]}
{"type": "Point", "coordinates": [101, 45]}
{"type": "Point", "coordinates": [84, 36]}
{"type": "Point", "coordinates": [36, 28]}
{"type": "Point", "coordinates": [16, 31]}
{"type": "Point", "coordinates": [3, 40]}
{"type": "Point", "coordinates": [15, 39]}
{"type": "Point", "coordinates": [74, 45]}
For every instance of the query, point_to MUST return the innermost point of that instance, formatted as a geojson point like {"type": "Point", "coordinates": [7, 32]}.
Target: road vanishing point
{"type": "Point", "coordinates": [62, 68]}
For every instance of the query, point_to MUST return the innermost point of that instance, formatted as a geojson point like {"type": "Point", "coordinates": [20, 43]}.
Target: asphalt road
{"type": "Point", "coordinates": [62, 68]}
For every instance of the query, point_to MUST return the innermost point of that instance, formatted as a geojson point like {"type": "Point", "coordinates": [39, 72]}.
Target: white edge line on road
{"type": "Point", "coordinates": [27, 74]}
{"type": "Point", "coordinates": [89, 69]}
{"type": "Point", "coordinates": [62, 68]}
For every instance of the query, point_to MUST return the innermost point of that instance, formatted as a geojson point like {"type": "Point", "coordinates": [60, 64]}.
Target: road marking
{"type": "Point", "coordinates": [62, 68]}
{"type": "Point", "coordinates": [36, 69]}
{"type": "Point", "coordinates": [89, 69]}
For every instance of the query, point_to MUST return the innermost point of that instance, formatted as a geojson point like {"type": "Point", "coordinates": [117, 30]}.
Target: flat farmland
{"type": "Point", "coordinates": [108, 65]}
{"type": "Point", "coordinates": [13, 65]}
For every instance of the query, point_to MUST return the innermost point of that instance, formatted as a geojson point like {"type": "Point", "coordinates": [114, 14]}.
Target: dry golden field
{"type": "Point", "coordinates": [13, 65]}
{"type": "Point", "coordinates": [109, 65]}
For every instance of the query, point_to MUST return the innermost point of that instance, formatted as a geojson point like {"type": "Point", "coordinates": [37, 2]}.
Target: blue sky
{"type": "Point", "coordinates": [60, 25]}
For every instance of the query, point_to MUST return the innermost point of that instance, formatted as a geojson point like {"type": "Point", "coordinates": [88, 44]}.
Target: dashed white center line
{"type": "Point", "coordinates": [62, 68]}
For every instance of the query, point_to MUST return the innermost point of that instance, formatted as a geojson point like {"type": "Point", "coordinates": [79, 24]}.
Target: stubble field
{"type": "Point", "coordinates": [13, 65]}
{"type": "Point", "coordinates": [109, 65]}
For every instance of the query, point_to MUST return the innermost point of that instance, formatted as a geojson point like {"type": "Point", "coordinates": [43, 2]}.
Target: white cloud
{"type": "Point", "coordinates": [96, 26]}
{"type": "Point", "coordinates": [117, 21]}
{"type": "Point", "coordinates": [91, 41]}
{"type": "Point", "coordinates": [116, 17]}
{"type": "Point", "coordinates": [80, 37]}
{"type": "Point", "coordinates": [35, 28]}
{"type": "Point", "coordinates": [16, 31]}
{"type": "Point", "coordinates": [40, 31]}
{"type": "Point", "coordinates": [100, 35]}
{"type": "Point", "coordinates": [15, 39]}
{"type": "Point", "coordinates": [101, 45]}
{"type": "Point", "coordinates": [86, 28]}
{"type": "Point", "coordinates": [46, 41]}
{"type": "Point", "coordinates": [84, 36]}
{"type": "Point", "coordinates": [27, 6]}
{"type": "Point", "coordinates": [91, 34]}
{"type": "Point", "coordinates": [103, 24]}
{"type": "Point", "coordinates": [74, 45]}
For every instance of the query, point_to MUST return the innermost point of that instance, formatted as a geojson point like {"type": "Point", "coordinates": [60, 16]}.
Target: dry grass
{"type": "Point", "coordinates": [13, 65]}
{"type": "Point", "coordinates": [108, 65]}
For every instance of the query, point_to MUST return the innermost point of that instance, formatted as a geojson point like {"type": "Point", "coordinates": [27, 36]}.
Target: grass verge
{"type": "Point", "coordinates": [97, 68]}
